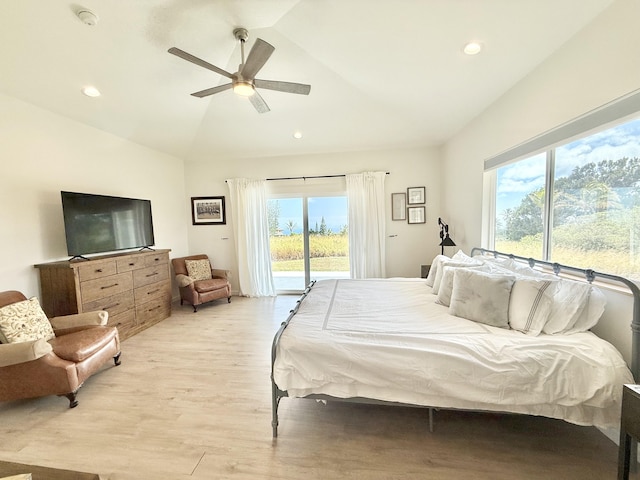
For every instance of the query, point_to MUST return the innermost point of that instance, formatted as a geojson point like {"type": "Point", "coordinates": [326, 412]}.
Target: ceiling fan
{"type": "Point", "coordinates": [244, 81]}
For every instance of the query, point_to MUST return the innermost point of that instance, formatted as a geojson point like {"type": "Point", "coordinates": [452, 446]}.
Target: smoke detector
{"type": "Point", "coordinates": [87, 17]}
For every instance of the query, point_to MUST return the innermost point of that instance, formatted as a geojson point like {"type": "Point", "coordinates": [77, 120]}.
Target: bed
{"type": "Point", "coordinates": [398, 341]}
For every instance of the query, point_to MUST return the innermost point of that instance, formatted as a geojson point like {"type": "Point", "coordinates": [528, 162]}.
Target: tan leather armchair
{"type": "Point", "coordinates": [195, 291]}
{"type": "Point", "coordinates": [83, 344]}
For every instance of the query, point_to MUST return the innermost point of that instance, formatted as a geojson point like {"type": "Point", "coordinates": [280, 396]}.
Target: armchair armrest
{"type": "Point", "coordinates": [183, 280]}
{"type": "Point", "coordinates": [99, 317]}
{"type": "Point", "coordinates": [220, 273]}
{"type": "Point", "coordinates": [14, 353]}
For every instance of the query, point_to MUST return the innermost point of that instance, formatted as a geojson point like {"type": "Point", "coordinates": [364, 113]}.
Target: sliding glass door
{"type": "Point", "coordinates": [309, 240]}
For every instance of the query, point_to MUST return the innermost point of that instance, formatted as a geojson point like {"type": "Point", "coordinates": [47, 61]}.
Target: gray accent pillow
{"type": "Point", "coordinates": [481, 297]}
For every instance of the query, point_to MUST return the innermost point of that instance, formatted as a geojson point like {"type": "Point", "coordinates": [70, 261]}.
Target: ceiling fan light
{"type": "Point", "coordinates": [244, 89]}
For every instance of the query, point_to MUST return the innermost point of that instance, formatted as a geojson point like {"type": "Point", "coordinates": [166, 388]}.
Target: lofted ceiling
{"type": "Point", "coordinates": [384, 74]}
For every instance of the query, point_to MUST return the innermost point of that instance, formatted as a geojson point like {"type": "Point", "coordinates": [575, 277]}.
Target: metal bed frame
{"type": "Point", "coordinates": [590, 275]}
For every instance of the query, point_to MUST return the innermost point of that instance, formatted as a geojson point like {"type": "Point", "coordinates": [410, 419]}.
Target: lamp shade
{"type": "Point", "coordinates": [447, 242]}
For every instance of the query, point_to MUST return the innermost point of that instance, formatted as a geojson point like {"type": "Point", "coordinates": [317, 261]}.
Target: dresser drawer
{"type": "Point", "coordinates": [105, 287]}
{"type": "Point", "coordinates": [133, 262]}
{"type": "Point", "coordinates": [149, 275]}
{"type": "Point", "coordinates": [114, 304]}
{"type": "Point", "coordinates": [157, 259]}
{"type": "Point", "coordinates": [152, 312]}
{"type": "Point", "coordinates": [125, 322]}
{"type": "Point", "coordinates": [153, 291]}
{"type": "Point", "coordinates": [96, 270]}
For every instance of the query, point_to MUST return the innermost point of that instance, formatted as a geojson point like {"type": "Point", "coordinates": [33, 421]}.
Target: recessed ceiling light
{"type": "Point", "coordinates": [91, 91]}
{"type": "Point", "coordinates": [297, 135]}
{"type": "Point", "coordinates": [472, 48]}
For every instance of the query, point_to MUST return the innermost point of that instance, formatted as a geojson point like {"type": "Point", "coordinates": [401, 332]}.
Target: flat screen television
{"type": "Point", "coordinates": [100, 223]}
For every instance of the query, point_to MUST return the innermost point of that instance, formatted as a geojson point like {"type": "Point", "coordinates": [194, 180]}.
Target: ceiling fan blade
{"type": "Point", "coordinates": [288, 87]}
{"type": "Point", "coordinates": [190, 58]}
{"type": "Point", "coordinates": [258, 56]}
{"type": "Point", "coordinates": [258, 102]}
{"type": "Point", "coordinates": [212, 90]}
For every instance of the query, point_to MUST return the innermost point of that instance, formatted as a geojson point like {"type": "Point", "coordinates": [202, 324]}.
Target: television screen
{"type": "Point", "coordinates": [100, 223]}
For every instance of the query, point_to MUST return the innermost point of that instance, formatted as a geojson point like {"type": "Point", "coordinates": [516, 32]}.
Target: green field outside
{"type": "Point", "coordinates": [329, 253]}
{"type": "Point", "coordinates": [608, 261]}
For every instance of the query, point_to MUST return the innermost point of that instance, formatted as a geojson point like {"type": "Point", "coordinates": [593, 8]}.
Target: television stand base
{"type": "Point", "coordinates": [147, 248]}
{"type": "Point", "coordinates": [77, 257]}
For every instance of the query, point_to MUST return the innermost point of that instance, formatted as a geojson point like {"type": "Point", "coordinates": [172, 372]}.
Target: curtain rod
{"type": "Point", "coordinates": [312, 176]}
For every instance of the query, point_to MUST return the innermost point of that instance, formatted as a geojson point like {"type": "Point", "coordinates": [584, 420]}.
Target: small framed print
{"type": "Point", "coordinates": [416, 215]}
{"type": "Point", "coordinates": [208, 211]}
{"type": "Point", "coordinates": [415, 195]}
{"type": "Point", "coordinates": [398, 206]}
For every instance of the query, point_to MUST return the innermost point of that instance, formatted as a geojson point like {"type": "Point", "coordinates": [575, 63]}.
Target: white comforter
{"type": "Point", "coordinates": [389, 340]}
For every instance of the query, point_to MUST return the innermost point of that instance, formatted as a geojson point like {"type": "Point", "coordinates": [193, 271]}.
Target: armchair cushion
{"type": "Point", "coordinates": [78, 346]}
{"type": "Point", "coordinates": [198, 269]}
{"type": "Point", "coordinates": [24, 321]}
{"type": "Point", "coordinates": [210, 285]}
{"type": "Point", "coordinates": [15, 353]}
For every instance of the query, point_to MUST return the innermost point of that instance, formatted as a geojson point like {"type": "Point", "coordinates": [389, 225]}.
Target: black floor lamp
{"type": "Point", "coordinates": [445, 239]}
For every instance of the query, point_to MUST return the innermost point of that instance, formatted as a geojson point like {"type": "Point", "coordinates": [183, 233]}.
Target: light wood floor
{"type": "Point", "coordinates": [192, 400]}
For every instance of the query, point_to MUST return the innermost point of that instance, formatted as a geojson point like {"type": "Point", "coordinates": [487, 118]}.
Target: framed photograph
{"type": "Point", "coordinates": [398, 206]}
{"type": "Point", "coordinates": [416, 215]}
{"type": "Point", "coordinates": [415, 195]}
{"type": "Point", "coordinates": [208, 211]}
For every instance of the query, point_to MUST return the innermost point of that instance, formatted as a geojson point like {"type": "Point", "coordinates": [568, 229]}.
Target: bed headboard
{"type": "Point", "coordinates": [590, 276]}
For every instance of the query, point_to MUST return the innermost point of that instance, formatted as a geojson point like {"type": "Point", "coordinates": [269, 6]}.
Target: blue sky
{"type": "Point", "coordinates": [517, 180]}
{"type": "Point", "coordinates": [334, 210]}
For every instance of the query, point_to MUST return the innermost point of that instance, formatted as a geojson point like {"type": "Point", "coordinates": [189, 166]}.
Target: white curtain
{"type": "Point", "coordinates": [251, 232]}
{"type": "Point", "coordinates": [365, 192]}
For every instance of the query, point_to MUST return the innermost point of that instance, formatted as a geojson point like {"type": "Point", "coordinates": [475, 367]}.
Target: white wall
{"type": "Point", "coordinates": [595, 67]}
{"type": "Point", "coordinates": [411, 246]}
{"type": "Point", "coordinates": [43, 153]}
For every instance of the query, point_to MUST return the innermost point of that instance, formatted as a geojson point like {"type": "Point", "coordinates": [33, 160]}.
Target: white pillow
{"type": "Point", "coordinates": [519, 268]}
{"type": "Point", "coordinates": [591, 313]}
{"type": "Point", "coordinates": [449, 263]}
{"type": "Point", "coordinates": [530, 304]}
{"type": "Point", "coordinates": [460, 256]}
{"type": "Point", "coordinates": [502, 262]}
{"type": "Point", "coordinates": [435, 265]}
{"type": "Point", "coordinates": [446, 283]}
{"type": "Point", "coordinates": [569, 301]}
{"type": "Point", "coordinates": [481, 297]}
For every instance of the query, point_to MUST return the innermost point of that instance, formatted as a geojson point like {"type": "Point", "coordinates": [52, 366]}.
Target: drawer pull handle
{"type": "Point", "coordinates": [154, 308]}
{"type": "Point", "coordinates": [109, 286]}
{"type": "Point", "coordinates": [131, 264]}
{"type": "Point", "coordinates": [153, 291]}
{"type": "Point", "coordinates": [152, 274]}
{"type": "Point", "coordinates": [110, 306]}
{"type": "Point", "coordinates": [98, 270]}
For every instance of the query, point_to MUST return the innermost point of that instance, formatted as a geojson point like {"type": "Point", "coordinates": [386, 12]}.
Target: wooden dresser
{"type": "Point", "coordinates": [135, 288]}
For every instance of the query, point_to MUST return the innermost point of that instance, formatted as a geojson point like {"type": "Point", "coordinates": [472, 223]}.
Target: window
{"type": "Point", "coordinates": [308, 231]}
{"type": "Point", "coordinates": [520, 196]}
{"type": "Point", "coordinates": [577, 203]}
